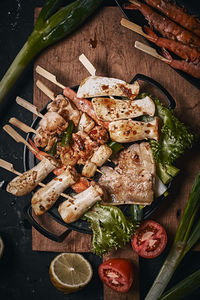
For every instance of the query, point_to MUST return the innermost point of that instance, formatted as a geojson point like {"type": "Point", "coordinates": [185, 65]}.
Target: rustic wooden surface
{"type": "Point", "coordinates": [115, 55]}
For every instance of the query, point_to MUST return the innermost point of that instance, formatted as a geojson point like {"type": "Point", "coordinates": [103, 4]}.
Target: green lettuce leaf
{"type": "Point", "coordinates": [175, 138]}
{"type": "Point", "coordinates": [111, 229]}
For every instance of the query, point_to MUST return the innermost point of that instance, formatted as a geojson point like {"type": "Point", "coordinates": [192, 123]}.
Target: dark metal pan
{"type": "Point", "coordinates": [82, 226]}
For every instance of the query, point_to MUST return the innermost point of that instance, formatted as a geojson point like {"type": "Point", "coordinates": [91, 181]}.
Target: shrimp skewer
{"type": "Point", "coordinates": [183, 51]}
{"type": "Point", "coordinates": [165, 26]}
{"type": "Point", "coordinates": [82, 104]}
{"type": "Point", "coordinates": [188, 67]}
{"type": "Point", "coordinates": [177, 14]}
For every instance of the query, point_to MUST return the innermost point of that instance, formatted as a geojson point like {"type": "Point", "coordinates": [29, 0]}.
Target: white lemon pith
{"type": "Point", "coordinates": [70, 272]}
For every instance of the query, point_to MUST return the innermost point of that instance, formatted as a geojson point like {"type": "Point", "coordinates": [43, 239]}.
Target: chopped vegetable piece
{"type": "Point", "coordinates": [150, 239]}
{"type": "Point", "coordinates": [186, 237]}
{"type": "Point", "coordinates": [136, 212]}
{"type": "Point", "coordinates": [110, 228]}
{"type": "Point", "coordinates": [117, 273]}
{"type": "Point", "coordinates": [67, 135]}
{"type": "Point", "coordinates": [53, 149]}
{"type": "Point", "coordinates": [116, 147]}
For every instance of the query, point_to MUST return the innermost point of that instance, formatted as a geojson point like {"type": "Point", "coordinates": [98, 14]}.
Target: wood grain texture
{"type": "Point", "coordinates": [115, 56]}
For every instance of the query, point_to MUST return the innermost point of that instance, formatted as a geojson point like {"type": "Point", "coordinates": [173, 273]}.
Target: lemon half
{"type": "Point", "coordinates": [70, 272]}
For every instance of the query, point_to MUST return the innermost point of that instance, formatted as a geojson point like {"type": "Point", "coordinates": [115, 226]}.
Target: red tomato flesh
{"type": "Point", "coordinates": [117, 273]}
{"type": "Point", "coordinates": [150, 239]}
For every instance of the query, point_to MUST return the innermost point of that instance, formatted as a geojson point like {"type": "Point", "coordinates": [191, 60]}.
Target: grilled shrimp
{"type": "Point", "coordinates": [183, 51]}
{"type": "Point", "coordinates": [188, 67]}
{"type": "Point", "coordinates": [177, 14]}
{"type": "Point", "coordinates": [84, 105]}
{"type": "Point", "coordinates": [165, 26]}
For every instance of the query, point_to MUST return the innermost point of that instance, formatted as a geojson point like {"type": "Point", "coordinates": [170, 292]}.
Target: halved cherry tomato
{"type": "Point", "coordinates": [117, 273]}
{"type": "Point", "coordinates": [150, 239]}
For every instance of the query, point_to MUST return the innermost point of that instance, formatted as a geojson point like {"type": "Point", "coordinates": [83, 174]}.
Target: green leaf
{"type": "Point", "coordinates": [47, 11]}
{"type": "Point", "coordinates": [111, 229]}
{"type": "Point", "coordinates": [183, 288]}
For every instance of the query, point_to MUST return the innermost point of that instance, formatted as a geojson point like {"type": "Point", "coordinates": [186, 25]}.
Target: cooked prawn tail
{"type": "Point", "coordinates": [39, 154]}
{"type": "Point", "coordinates": [166, 54]}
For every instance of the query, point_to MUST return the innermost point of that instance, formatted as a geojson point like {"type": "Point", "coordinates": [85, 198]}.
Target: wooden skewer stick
{"type": "Point", "coordinates": [27, 105]}
{"type": "Point", "coordinates": [8, 166]}
{"type": "Point", "coordinates": [21, 125]}
{"type": "Point", "coordinates": [17, 137]}
{"type": "Point", "coordinates": [134, 27]}
{"type": "Point", "coordinates": [149, 50]}
{"type": "Point", "coordinates": [45, 89]}
{"type": "Point", "coordinates": [87, 64]}
{"type": "Point", "coordinates": [135, 3]}
{"type": "Point", "coordinates": [49, 76]}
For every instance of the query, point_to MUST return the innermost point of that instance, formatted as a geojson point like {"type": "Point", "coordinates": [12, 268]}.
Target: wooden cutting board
{"type": "Point", "coordinates": [110, 47]}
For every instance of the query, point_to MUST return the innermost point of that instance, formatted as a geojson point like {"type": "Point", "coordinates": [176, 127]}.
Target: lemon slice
{"type": "Point", "coordinates": [1, 247]}
{"type": "Point", "coordinates": [70, 272]}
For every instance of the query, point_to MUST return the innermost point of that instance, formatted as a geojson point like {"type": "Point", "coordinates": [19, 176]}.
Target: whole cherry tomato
{"type": "Point", "coordinates": [117, 273]}
{"type": "Point", "coordinates": [150, 239]}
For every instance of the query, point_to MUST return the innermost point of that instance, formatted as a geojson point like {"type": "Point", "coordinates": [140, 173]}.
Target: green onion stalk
{"type": "Point", "coordinates": [188, 233]}
{"type": "Point", "coordinates": [52, 25]}
{"type": "Point", "coordinates": [184, 288]}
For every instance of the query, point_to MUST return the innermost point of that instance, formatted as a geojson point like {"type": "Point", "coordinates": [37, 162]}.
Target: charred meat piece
{"type": "Point", "coordinates": [98, 134]}
{"type": "Point", "coordinates": [53, 123]}
{"type": "Point", "coordinates": [109, 110]}
{"type": "Point", "coordinates": [126, 131]}
{"type": "Point", "coordinates": [95, 86]}
{"type": "Point", "coordinates": [132, 181]}
{"type": "Point", "coordinates": [65, 108]}
{"type": "Point", "coordinates": [44, 140]}
{"type": "Point", "coordinates": [83, 146]}
{"type": "Point", "coordinates": [45, 197]}
{"type": "Point", "coordinates": [71, 211]}
{"type": "Point", "coordinates": [25, 183]}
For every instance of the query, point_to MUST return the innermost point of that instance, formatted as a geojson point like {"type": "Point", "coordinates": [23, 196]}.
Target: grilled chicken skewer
{"type": "Point", "coordinates": [100, 156]}
{"type": "Point", "coordinates": [114, 109]}
{"type": "Point", "coordinates": [72, 211]}
{"type": "Point", "coordinates": [26, 182]}
{"type": "Point", "coordinates": [46, 197]}
{"type": "Point", "coordinates": [51, 122]}
{"type": "Point", "coordinates": [8, 166]}
{"type": "Point", "coordinates": [126, 131]}
{"type": "Point", "coordinates": [95, 86]}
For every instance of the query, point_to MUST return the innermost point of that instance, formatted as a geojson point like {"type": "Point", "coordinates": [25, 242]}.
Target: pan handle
{"type": "Point", "coordinates": [170, 99]}
{"type": "Point", "coordinates": [46, 233]}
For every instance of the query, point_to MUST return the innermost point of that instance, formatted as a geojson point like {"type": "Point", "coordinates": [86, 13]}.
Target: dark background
{"type": "Point", "coordinates": [24, 273]}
